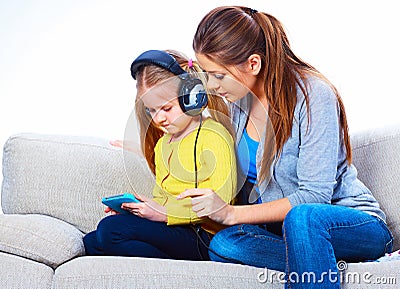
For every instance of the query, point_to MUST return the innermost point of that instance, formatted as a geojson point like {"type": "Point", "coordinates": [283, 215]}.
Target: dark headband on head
{"type": "Point", "coordinates": [159, 58]}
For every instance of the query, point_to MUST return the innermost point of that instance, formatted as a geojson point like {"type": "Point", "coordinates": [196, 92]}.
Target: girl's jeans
{"type": "Point", "coordinates": [315, 237]}
{"type": "Point", "coordinates": [130, 235]}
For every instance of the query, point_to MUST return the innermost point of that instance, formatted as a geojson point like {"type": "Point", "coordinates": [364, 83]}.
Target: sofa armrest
{"type": "Point", "coordinates": [40, 238]}
{"type": "Point", "coordinates": [377, 159]}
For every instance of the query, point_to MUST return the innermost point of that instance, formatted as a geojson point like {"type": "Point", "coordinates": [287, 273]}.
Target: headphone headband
{"type": "Point", "coordinates": [159, 58]}
{"type": "Point", "coordinates": [192, 96]}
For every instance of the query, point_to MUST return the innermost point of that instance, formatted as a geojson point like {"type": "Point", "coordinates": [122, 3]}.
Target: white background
{"type": "Point", "coordinates": [64, 64]}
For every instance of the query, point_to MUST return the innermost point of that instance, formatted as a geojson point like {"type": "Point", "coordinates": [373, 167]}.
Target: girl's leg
{"type": "Point", "coordinates": [92, 247]}
{"type": "Point", "coordinates": [129, 235]}
{"type": "Point", "coordinates": [317, 235]}
{"type": "Point", "coordinates": [250, 245]}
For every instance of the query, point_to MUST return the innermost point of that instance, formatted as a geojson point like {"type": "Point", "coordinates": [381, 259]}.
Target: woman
{"type": "Point", "coordinates": [290, 120]}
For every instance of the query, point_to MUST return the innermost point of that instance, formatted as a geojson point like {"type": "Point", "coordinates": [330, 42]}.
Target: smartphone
{"type": "Point", "coordinates": [115, 202]}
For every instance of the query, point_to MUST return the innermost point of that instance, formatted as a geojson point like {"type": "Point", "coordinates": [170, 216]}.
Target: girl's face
{"type": "Point", "coordinates": [232, 84]}
{"type": "Point", "coordinates": [162, 103]}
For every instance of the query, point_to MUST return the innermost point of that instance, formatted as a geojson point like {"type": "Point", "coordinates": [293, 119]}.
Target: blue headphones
{"type": "Point", "coordinates": [192, 96]}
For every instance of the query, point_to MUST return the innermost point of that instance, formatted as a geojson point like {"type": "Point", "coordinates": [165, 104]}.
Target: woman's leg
{"type": "Point", "coordinates": [250, 245]}
{"type": "Point", "coordinates": [317, 235]}
{"type": "Point", "coordinates": [129, 235]}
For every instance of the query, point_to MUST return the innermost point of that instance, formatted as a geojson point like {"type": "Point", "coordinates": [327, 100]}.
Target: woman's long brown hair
{"type": "Point", "coordinates": [149, 76]}
{"type": "Point", "coordinates": [228, 35]}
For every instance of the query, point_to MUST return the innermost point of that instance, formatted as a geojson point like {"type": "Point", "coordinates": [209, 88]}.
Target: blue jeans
{"type": "Point", "coordinates": [130, 235]}
{"type": "Point", "coordinates": [315, 237]}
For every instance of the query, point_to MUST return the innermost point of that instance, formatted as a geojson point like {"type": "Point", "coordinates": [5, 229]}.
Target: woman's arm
{"type": "Point", "coordinates": [206, 203]}
{"type": "Point", "coordinates": [274, 211]}
{"type": "Point", "coordinates": [320, 148]}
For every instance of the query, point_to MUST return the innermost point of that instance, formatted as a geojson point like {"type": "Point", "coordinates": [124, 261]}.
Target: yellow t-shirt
{"type": "Point", "coordinates": [175, 171]}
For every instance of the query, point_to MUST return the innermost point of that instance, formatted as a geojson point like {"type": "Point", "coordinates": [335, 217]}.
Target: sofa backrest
{"type": "Point", "coordinates": [67, 176]}
{"type": "Point", "coordinates": [376, 155]}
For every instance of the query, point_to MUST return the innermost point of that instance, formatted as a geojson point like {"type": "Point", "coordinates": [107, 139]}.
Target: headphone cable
{"type": "Point", "coordinates": [195, 152]}
{"type": "Point", "coordinates": [197, 228]}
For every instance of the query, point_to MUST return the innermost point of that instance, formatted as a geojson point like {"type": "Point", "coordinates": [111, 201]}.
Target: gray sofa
{"type": "Point", "coordinates": [51, 194]}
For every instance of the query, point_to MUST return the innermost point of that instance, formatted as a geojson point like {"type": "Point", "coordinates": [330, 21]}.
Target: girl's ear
{"type": "Point", "coordinates": [254, 64]}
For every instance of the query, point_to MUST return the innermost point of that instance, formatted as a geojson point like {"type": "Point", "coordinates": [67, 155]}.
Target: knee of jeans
{"type": "Point", "coordinates": [106, 230]}
{"type": "Point", "coordinates": [215, 243]}
{"type": "Point", "coordinates": [89, 240]}
{"type": "Point", "coordinates": [105, 223]}
{"type": "Point", "coordinates": [222, 244]}
{"type": "Point", "coordinates": [300, 217]}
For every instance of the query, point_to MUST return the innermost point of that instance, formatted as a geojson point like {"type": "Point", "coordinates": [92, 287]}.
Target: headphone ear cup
{"type": "Point", "coordinates": [192, 96]}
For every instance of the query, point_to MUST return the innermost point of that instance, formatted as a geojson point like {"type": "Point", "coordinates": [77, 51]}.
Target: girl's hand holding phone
{"type": "Point", "coordinates": [111, 211]}
{"type": "Point", "coordinates": [147, 208]}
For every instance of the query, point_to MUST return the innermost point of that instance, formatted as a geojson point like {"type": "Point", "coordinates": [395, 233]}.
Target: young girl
{"type": "Point", "coordinates": [314, 211]}
{"type": "Point", "coordinates": [184, 150]}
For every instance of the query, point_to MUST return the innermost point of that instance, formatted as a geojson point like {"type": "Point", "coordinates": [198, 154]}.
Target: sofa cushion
{"type": "Point", "coordinates": [376, 155]}
{"type": "Point", "coordinates": [17, 272]}
{"type": "Point", "coordinates": [40, 238]}
{"type": "Point", "coordinates": [67, 176]}
{"type": "Point", "coordinates": [132, 272]}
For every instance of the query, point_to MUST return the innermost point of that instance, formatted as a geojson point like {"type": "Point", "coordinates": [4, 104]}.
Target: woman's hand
{"type": "Point", "coordinates": [206, 203]}
{"type": "Point", "coordinates": [147, 209]}
{"type": "Point", "coordinates": [127, 145]}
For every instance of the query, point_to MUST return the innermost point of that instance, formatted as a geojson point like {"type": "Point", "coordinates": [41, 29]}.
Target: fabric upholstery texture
{"type": "Point", "coordinates": [376, 155]}
{"type": "Point", "coordinates": [40, 238]}
{"type": "Point", "coordinates": [21, 273]}
{"type": "Point", "coordinates": [66, 177]}
{"type": "Point", "coordinates": [131, 272]}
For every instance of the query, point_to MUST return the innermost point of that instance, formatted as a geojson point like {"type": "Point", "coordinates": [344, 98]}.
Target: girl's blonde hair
{"type": "Point", "coordinates": [228, 35]}
{"type": "Point", "coordinates": [149, 76]}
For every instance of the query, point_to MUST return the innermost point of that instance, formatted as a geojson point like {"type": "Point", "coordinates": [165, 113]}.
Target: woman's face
{"type": "Point", "coordinates": [230, 82]}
